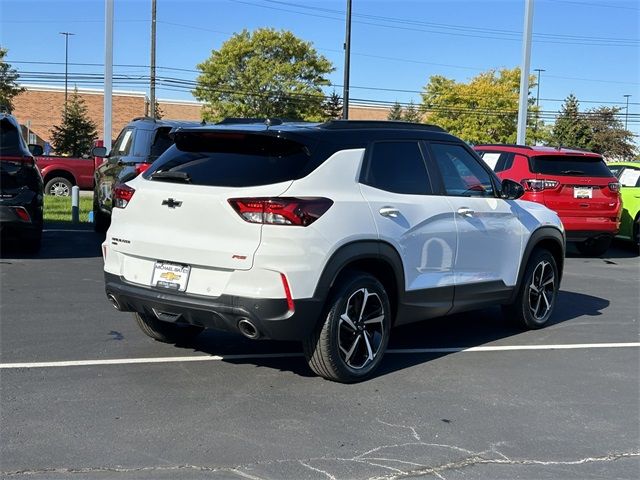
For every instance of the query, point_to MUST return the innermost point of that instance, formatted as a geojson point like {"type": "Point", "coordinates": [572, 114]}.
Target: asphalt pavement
{"type": "Point", "coordinates": [85, 394]}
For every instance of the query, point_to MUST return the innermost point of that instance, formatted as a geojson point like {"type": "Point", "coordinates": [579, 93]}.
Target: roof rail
{"type": "Point", "coordinates": [265, 120]}
{"type": "Point", "coordinates": [503, 145]}
{"type": "Point", "coordinates": [558, 147]}
{"type": "Point", "coordinates": [143, 118]}
{"type": "Point", "coordinates": [390, 124]}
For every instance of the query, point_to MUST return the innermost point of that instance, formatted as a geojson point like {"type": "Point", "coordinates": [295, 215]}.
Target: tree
{"type": "Point", "coordinates": [395, 112]}
{"type": "Point", "coordinates": [571, 128]}
{"type": "Point", "coordinates": [608, 135]}
{"type": "Point", "coordinates": [74, 137]}
{"type": "Point", "coordinates": [8, 83]}
{"type": "Point", "coordinates": [332, 107]}
{"type": "Point", "coordinates": [485, 110]}
{"type": "Point", "coordinates": [411, 113]}
{"type": "Point", "coordinates": [266, 73]}
{"type": "Point", "coordinates": [157, 110]}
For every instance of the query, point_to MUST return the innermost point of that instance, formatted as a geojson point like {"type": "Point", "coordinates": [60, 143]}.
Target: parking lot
{"type": "Point", "coordinates": [85, 394]}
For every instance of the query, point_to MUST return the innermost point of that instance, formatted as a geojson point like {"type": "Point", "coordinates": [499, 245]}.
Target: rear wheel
{"type": "Point", "coordinates": [594, 246]}
{"type": "Point", "coordinates": [59, 187]}
{"type": "Point", "coordinates": [164, 331]}
{"type": "Point", "coordinates": [33, 242]}
{"type": "Point", "coordinates": [636, 230]}
{"type": "Point", "coordinates": [348, 346]}
{"type": "Point", "coordinates": [537, 296]}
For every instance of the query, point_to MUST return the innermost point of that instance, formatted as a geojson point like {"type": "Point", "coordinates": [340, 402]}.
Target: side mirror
{"type": "Point", "coordinates": [99, 152]}
{"type": "Point", "coordinates": [511, 190]}
{"type": "Point", "coordinates": [36, 150]}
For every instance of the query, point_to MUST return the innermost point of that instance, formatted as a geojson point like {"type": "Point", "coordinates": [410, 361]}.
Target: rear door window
{"type": "Point", "coordinates": [570, 165]}
{"type": "Point", "coordinates": [231, 160]}
{"type": "Point", "coordinates": [10, 140]}
{"type": "Point", "coordinates": [462, 174]}
{"type": "Point", "coordinates": [630, 177]}
{"type": "Point", "coordinates": [497, 161]}
{"type": "Point", "coordinates": [397, 167]}
{"type": "Point", "coordinates": [122, 145]}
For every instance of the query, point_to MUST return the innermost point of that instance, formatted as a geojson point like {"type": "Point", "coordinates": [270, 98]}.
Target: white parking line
{"type": "Point", "coordinates": [217, 358]}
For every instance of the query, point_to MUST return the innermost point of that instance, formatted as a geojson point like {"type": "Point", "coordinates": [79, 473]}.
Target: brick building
{"type": "Point", "coordinates": [39, 108]}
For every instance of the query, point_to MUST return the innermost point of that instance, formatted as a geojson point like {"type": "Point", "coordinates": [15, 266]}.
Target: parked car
{"type": "Point", "coordinates": [21, 188]}
{"type": "Point", "coordinates": [328, 234]}
{"type": "Point", "coordinates": [576, 184]}
{"type": "Point", "coordinates": [137, 146]}
{"type": "Point", "coordinates": [628, 174]}
{"type": "Point", "coordinates": [60, 174]}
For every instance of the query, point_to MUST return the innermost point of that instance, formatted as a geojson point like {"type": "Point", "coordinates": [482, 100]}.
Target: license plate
{"type": "Point", "coordinates": [171, 276]}
{"type": "Point", "coordinates": [582, 192]}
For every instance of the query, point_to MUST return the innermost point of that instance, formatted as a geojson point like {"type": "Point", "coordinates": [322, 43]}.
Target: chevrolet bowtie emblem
{"type": "Point", "coordinates": [171, 203]}
{"type": "Point", "coordinates": [170, 276]}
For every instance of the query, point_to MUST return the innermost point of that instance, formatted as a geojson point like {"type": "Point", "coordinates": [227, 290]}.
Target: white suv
{"type": "Point", "coordinates": [329, 234]}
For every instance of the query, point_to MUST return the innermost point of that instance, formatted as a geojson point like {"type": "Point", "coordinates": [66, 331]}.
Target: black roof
{"type": "Point", "coordinates": [159, 122]}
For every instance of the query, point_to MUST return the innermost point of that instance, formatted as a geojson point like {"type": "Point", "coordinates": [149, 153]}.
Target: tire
{"type": "Point", "coordinates": [164, 331]}
{"type": "Point", "coordinates": [101, 221]}
{"type": "Point", "coordinates": [636, 231]}
{"type": "Point", "coordinates": [594, 247]}
{"type": "Point", "coordinates": [33, 243]}
{"type": "Point", "coordinates": [350, 342]}
{"type": "Point", "coordinates": [58, 187]}
{"type": "Point", "coordinates": [533, 308]}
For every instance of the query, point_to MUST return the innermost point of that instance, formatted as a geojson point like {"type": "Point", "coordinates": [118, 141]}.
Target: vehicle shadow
{"type": "Point", "coordinates": [457, 331]}
{"type": "Point", "coordinates": [618, 249]}
{"type": "Point", "coordinates": [59, 240]}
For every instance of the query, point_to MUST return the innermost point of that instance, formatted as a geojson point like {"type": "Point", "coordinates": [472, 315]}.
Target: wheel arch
{"type": "Point", "coordinates": [53, 173]}
{"type": "Point", "coordinates": [377, 258]}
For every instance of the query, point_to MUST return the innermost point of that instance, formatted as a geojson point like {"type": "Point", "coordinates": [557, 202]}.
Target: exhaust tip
{"type": "Point", "coordinates": [114, 301]}
{"type": "Point", "coordinates": [248, 329]}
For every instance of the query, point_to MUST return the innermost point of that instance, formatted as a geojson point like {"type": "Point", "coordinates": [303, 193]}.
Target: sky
{"type": "Point", "coordinates": [590, 48]}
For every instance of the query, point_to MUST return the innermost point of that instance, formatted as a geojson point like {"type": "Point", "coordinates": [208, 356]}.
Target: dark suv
{"type": "Point", "coordinates": [138, 145]}
{"type": "Point", "coordinates": [21, 188]}
{"type": "Point", "coordinates": [575, 183]}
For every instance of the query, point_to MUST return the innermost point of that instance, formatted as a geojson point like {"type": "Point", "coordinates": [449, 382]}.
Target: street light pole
{"type": "Point", "coordinates": [152, 89]}
{"type": "Point", "coordinates": [347, 55]}
{"type": "Point", "coordinates": [535, 126]}
{"type": "Point", "coordinates": [524, 73]}
{"type": "Point", "coordinates": [66, 66]}
{"type": "Point", "coordinates": [626, 111]}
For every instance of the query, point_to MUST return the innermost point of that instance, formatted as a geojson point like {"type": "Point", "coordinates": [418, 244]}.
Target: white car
{"type": "Point", "coordinates": [329, 234]}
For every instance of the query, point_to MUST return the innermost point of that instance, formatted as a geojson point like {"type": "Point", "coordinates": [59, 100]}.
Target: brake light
{"type": "Point", "coordinates": [534, 185]}
{"type": "Point", "coordinates": [122, 195]}
{"type": "Point", "coordinates": [22, 213]}
{"type": "Point", "coordinates": [281, 210]}
{"type": "Point", "coordinates": [287, 292]}
{"type": "Point", "coordinates": [27, 159]}
{"type": "Point", "coordinates": [141, 167]}
{"type": "Point", "coordinates": [615, 186]}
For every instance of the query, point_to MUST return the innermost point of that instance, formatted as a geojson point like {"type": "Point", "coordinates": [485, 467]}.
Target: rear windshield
{"type": "Point", "coordinates": [570, 165]}
{"type": "Point", "coordinates": [10, 140]}
{"type": "Point", "coordinates": [231, 160]}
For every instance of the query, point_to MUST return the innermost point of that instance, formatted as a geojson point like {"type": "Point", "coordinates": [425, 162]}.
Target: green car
{"type": "Point", "coordinates": [628, 174]}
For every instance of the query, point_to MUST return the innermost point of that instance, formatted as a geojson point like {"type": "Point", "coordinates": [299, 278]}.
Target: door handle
{"type": "Point", "coordinates": [389, 212]}
{"type": "Point", "coordinates": [465, 212]}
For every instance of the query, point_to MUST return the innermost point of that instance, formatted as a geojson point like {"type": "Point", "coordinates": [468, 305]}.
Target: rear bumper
{"type": "Point", "coordinates": [270, 317]}
{"type": "Point", "coordinates": [583, 228]}
{"type": "Point", "coordinates": [12, 225]}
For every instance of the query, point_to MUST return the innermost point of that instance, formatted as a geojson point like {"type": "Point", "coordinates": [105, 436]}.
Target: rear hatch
{"type": "Point", "coordinates": [180, 210]}
{"type": "Point", "coordinates": [577, 185]}
{"type": "Point", "coordinates": [17, 170]}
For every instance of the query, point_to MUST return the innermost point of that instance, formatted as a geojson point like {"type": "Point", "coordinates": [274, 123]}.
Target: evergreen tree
{"type": "Point", "coordinates": [571, 128]}
{"type": "Point", "coordinates": [411, 114]}
{"type": "Point", "coordinates": [395, 112]}
{"type": "Point", "coordinates": [8, 86]}
{"type": "Point", "coordinates": [332, 107]}
{"type": "Point", "coordinates": [74, 137]}
{"type": "Point", "coordinates": [608, 135]}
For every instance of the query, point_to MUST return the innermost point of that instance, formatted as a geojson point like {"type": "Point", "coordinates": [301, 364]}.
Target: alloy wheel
{"type": "Point", "coordinates": [59, 189]}
{"type": "Point", "coordinates": [541, 290]}
{"type": "Point", "coordinates": [361, 329]}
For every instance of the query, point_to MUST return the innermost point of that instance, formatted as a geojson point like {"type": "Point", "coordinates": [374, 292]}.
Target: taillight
{"type": "Point", "coordinates": [281, 210]}
{"type": "Point", "coordinates": [22, 214]}
{"type": "Point", "coordinates": [534, 185]}
{"type": "Point", "coordinates": [122, 195]}
{"type": "Point", "coordinates": [141, 167]}
{"type": "Point", "coordinates": [615, 186]}
{"type": "Point", "coordinates": [287, 292]}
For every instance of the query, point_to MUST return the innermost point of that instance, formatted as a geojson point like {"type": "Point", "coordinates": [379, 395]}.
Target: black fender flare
{"type": "Point", "coordinates": [542, 234]}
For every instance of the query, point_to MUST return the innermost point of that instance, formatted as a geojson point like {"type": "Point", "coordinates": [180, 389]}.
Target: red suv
{"type": "Point", "coordinates": [576, 184]}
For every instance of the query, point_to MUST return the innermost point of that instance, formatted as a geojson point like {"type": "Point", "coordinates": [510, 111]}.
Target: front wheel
{"type": "Point", "coordinates": [536, 298]}
{"type": "Point", "coordinates": [349, 344]}
{"type": "Point", "coordinates": [166, 332]}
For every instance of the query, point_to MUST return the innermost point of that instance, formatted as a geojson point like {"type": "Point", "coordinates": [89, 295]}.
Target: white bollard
{"type": "Point", "coordinates": [75, 204]}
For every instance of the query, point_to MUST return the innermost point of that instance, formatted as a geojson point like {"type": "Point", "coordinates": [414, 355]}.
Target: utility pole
{"type": "Point", "coordinates": [626, 111]}
{"type": "Point", "coordinates": [524, 73]}
{"type": "Point", "coordinates": [347, 57]}
{"type": "Point", "coordinates": [108, 72]}
{"type": "Point", "coordinates": [152, 88]}
{"type": "Point", "coordinates": [66, 66]}
{"type": "Point", "coordinates": [535, 126]}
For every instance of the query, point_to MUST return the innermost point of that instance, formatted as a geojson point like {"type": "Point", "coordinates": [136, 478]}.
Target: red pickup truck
{"type": "Point", "coordinates": [62, 173]}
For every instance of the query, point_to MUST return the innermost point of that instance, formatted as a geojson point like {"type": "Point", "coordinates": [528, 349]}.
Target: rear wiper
{"type": "Point", "coordinates": [573, 172]}
{"type": "Point", "coordinates": [169, 175]}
